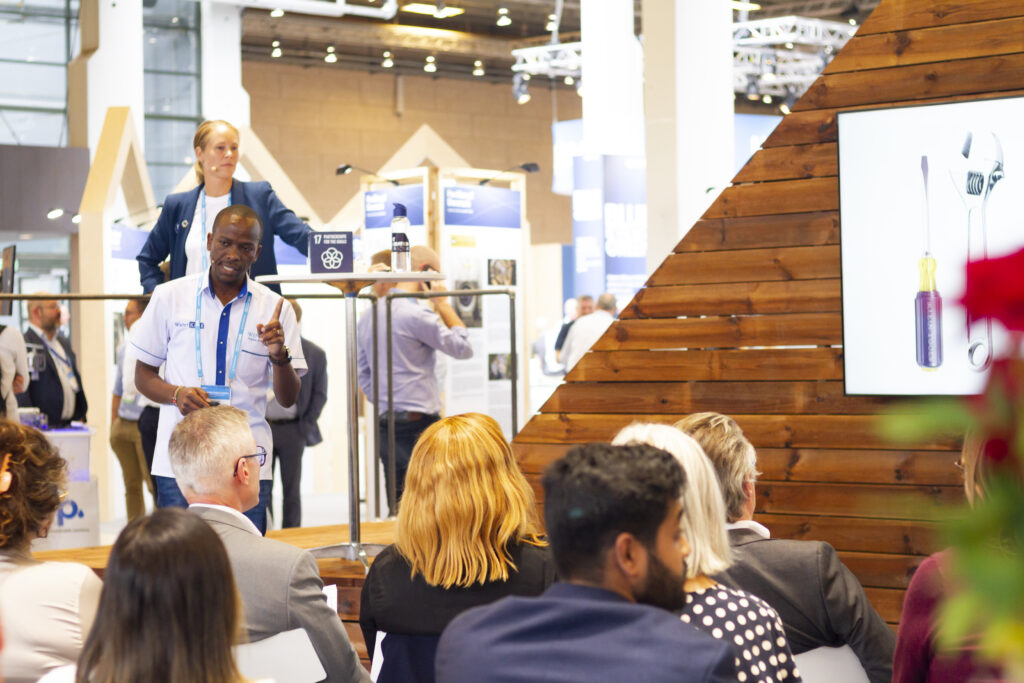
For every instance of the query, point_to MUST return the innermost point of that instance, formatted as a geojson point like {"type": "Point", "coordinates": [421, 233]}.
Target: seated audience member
{"type": "Point", "coordinates": [918, 657]}
{"type": "Point", "coordinates": [48, 607]}
{"type": "Point", "coordinates": [56, 386]}
{"type": "Point", "coordinates": [745, 621]}
{"type": "Point", "coordinates": [467, 535]}
{"type": "Point", "coordinates": [169, 609]}
{"type": "Point", "coordinates": [820, 601]}
{"type": "Point", "coordinates": [612, 515]}
{"type": "Point", "coordinates": [216, 462]}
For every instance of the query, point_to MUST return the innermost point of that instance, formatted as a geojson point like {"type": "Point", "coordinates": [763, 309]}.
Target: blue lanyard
{"type": "Point", "coordinates": [202, 243]}
{"type": "Point", "coordinates": [70, 372]}
{"type": "Point", "coordinates": [238, 337]}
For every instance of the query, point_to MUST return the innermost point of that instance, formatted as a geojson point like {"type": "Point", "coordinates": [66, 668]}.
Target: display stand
{"type": "Point", "coordinates": [351, 284]}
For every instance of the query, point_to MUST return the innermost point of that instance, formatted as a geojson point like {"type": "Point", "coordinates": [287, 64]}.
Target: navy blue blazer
{"type": "Point", "coordinates": [45, 391]}
{"type": "Point", "coordinates": [168, 236]}
{"type": "Point", "coordinates": [575, 633]}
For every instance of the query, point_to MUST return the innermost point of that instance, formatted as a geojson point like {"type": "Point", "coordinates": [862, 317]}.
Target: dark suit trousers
{"type": "Point", "coordinates": [149, 421]}
{"type": "Point", "coordinates": [289, 443]}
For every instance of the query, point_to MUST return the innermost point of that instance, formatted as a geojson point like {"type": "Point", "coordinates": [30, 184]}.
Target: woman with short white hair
{"type": "Point", "coordinates": [743, 619]}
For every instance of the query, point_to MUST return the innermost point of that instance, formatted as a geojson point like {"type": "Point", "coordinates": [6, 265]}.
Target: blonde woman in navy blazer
{"type": "Point", "coordinates": [216, 149]}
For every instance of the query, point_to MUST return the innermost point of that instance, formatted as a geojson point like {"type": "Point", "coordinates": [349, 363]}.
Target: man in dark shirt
{"type": "Point", "coordinates": [612, 515]}
{"type": "Point", "coordinates": [820, 601]}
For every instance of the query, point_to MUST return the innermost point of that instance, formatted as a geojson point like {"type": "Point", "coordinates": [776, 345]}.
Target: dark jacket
{"type": "Point", "coordinates": [168, 236]}
{"type": "Point", "coordinates": [45, 391]}
{"type": "Point", "coordinates": [413, 613]}
{"type": "Point", "coordinates": [576, 633]}
{"type": "Point", "coordinates": [312, 393]}
{"type": "Point", "coordinates": [820, 601]}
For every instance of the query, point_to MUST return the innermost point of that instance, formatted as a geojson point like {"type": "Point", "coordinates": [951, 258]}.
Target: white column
{"type": "Point", "coordinates": [221, 48]}
{"type": "Point", "coordinates": [690, 107]}
{"type": "Point", "coordinates": [108, 73]}
{"type": "Point", "coordinates": [612, 74]}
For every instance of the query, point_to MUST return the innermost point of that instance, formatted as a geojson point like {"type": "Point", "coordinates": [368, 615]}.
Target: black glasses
{"type": "Point", "coordinates": [262, 455]}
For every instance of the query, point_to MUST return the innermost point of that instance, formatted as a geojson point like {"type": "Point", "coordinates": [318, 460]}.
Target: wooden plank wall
{"type": "Point", "coordinates": [759, 272]}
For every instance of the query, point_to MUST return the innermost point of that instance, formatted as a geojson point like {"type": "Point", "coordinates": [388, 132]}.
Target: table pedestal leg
{"type": "Point", "coordinates": [355, 549]}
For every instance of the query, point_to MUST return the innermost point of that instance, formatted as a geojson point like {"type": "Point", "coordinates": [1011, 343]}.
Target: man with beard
{"type": "Point", "coordinates": [612, 516]}
{"type": "Point", "coordinates": [224, 339]}
{"type": "Point", "coordinates": [56, 386]}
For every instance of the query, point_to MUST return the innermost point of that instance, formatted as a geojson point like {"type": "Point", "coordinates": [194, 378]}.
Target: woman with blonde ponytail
{"type": "Point", "coordinates": [187, 217]}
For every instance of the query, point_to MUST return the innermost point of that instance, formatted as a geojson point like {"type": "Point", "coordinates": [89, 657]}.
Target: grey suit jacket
{"type": "Point", "coordinates": [281, 590]}
{"type": "Point", "coordinates": [312, 393]}
{"type": "Point", "coordinates": [819, 599]}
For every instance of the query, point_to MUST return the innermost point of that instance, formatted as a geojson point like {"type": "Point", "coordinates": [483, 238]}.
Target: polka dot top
{"type": "Point", "coordinates": [753, 628]}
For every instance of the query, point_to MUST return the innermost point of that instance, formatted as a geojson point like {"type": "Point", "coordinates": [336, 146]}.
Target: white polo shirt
{"type": "Point", "coordinates": [166, 333]}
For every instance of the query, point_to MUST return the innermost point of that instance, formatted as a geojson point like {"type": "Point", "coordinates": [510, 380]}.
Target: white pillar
{"type": "Point", "coordinates": [107, 73]}
{"type": "Point", "coordinates": [221, 49]}
{"type": "Point", "coordinates": [612, 74]}
{"type": "Point", "coordinates": [690, 107]}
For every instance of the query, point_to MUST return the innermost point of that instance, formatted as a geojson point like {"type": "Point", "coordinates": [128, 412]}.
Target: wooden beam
{"type": "Point", "coordinates": [717, 364]}
{"type": "Point", "coordinates": [795, 296]}
{"type": "Point", "coordinates": [781, 197]}
{"type": "Point", "coordinates": [758, 232]}
{"type": "Point", "coordinates": [789, 329]}
{"type": "Point", "coordinates": [908, 14]}
{"type": "Point", "coordinates": [749, 265]}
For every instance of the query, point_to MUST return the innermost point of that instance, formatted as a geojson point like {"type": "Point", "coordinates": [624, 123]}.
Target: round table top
{"type": "Point", "coordinates": [351, 283]}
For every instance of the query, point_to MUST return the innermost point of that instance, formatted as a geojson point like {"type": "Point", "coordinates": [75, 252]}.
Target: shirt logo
{"type": "Point", "coordinates": [190, 324]}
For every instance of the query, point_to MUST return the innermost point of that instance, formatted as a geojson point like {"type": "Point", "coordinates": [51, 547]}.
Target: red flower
{"type": "Point", "coordinates": [995, 289]}
{"type": "Point", "coordinates": [997, 449]}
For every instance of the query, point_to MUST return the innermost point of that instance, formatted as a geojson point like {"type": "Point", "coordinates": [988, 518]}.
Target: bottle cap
{"type": "Point", "coordinates": [400, 210]}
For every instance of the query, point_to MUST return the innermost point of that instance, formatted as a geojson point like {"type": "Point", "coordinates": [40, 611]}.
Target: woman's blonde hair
{"type": "Point", "coordinates": [202, 137]}
{"type": "Point", "coordinates": [465, 502]}
{"type": "Point", "coordinates": [703, 521]}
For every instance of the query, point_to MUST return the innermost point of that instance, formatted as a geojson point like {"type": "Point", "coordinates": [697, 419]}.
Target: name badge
{"type": "Point", "coordinates": [218, 392]}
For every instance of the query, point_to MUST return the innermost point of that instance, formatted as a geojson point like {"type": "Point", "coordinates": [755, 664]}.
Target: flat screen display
{"type": "Point", "coordinates": [922, 190]}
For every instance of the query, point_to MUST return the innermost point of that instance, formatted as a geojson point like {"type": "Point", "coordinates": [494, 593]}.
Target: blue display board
{"type": "Point", "coordinates": [492, 207]}
{"type": "Point", "coordinates": [379, 205]}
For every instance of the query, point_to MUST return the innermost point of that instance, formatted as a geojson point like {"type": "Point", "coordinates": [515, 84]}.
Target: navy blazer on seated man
{"type": "Point", "coordinates": [581, 634]}
{"type": "Point", "coordinates": [45, 390]}
{"type": "Point", "coordinates": [168, 235]}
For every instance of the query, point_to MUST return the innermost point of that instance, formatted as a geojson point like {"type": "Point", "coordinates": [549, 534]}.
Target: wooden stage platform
{"type": "Point", "coordinates": [348, 576]}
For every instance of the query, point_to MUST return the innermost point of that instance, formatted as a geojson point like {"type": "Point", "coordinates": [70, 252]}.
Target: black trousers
{"type": "Point", "coordinates": [289, 444]}
{"type": "Point", "coordinates": [408, 427]}
{"type": "Point", "coordinates": [149, 421]}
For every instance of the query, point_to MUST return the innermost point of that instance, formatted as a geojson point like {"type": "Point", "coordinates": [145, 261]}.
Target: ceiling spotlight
{"type": "Point", "coordinates": [503, 18]}
{"type": "Point", "coordinates": [54, 214]}
{"type": "Point", "coordinates": [276, 52]}
{"type": "Point", "coordinates": [579, 87]}
{"type": "Point", "coordinates": [388, 61]}
{"type": "Point", "coordinates": [276, 43]}
{"type": "Point", "coordinates": [752, 94]}
{"type": "Point", "coordinates": [767, 99]}
{"type": "Point", "coordinates": [519, 90]}
{"type": "Point", "coordinates": [430, 66]}
{"type": "Point", "coordinates": [568, 80]}
{"type": "Point", "coordinates": [331, 57]}
{"type": "Point", "coordinates": [76, 218]}
{"type": "Point", "coordinates": [437, 10]}
{"type": "Point", "coordinates": [552, 24]}
{"type": "Point", "coordinates": [276, 13]}
{"type": "Point", "coordinates": [527, 76]}
{"type": "Point", "coordinates": [789, 46]}
{"type": "Point", "coordinates": [478, 68]}
{"type": "Point", "coordinates": [851, 13]}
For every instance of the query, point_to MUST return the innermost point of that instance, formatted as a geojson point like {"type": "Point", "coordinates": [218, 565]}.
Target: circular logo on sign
{"type": "Point", "coordinates": [331, 258]}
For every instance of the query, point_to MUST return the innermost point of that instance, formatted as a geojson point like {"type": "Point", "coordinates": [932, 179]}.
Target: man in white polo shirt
{"type": "Point", "coordinates": [225, 340]}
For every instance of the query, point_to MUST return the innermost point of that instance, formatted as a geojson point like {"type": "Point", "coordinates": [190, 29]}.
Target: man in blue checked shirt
{"type": "Point", "coordinates": [226, 339]}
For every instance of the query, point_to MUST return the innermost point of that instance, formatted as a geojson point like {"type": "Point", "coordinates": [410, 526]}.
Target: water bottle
{"type": "Point", "coordinates": [400, 240]}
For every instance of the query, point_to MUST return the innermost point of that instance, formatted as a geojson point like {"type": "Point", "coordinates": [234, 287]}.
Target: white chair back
{"type": "Point", "coordinates": [830, 665]}
{"type": "Point", "coordinates": [287, 657]}
{"type": "Point", "coordinates": [378, 656]}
